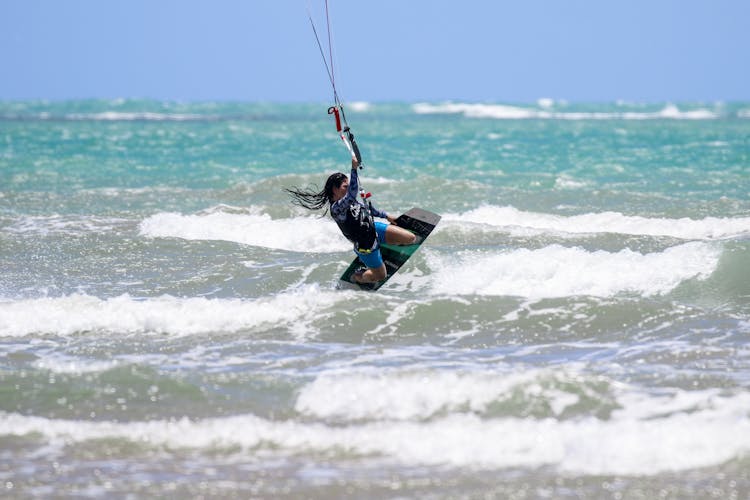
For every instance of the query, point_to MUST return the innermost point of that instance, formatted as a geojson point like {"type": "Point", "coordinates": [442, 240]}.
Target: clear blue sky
{"type": "Point", "coordinates": [385, 50]}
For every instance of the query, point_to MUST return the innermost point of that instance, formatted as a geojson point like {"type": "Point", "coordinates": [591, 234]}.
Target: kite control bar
{"type": "Point", "coordinates": [345, 133]}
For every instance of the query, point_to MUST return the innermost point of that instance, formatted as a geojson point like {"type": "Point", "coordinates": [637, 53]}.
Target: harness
{"type": "Point", "coordinates": [359, 228]}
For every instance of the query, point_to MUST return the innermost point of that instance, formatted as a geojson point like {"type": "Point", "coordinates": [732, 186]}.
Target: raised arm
{"type": "Point", "coordinates": [353, 181]}
{"type": "Point", "coordinates": [354, 189]}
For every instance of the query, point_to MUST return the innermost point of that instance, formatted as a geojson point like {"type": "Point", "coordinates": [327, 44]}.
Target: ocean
{"type": "Point", "coordinates": [577, 326]}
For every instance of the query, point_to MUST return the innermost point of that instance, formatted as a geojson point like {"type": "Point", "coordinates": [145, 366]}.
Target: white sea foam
{"type": "Point", "coordinates": [299, 234]}
{"type": "Point", "coordinates": [567, 182]}
{"type": "Point", "coordinates": [423, 394]}
{"type": "Point", "coordinates": [119, 191]}
{"type": "Point", "coordinates": [715, 431]}
{"type": "Point", "coordinates": [166, 314]}
{"type": "Point", "coordinates": [506, 112]}
{"type": "Point", "coordinates": [545, 102]}
{"type": "Point", "coordinates": [313, 234]}
{"type": "Point", "coordinates": [66, 364]}
{"type": "Point", "coordinates": [137, 116]}
{"type": "Point", "coordinates": [558, 271]}
{"type": "Point", "coordinates": [65, 224]}
{"type": "Point", "coordinates": [359, 106]}
{"type": "Point", "coordinates": [112, 116]}
{"type": "Point", "coordinates": [512, 219]}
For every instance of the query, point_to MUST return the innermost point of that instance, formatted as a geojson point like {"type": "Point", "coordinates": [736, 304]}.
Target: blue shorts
{"type": "Point", "coordinates": [373, 259]}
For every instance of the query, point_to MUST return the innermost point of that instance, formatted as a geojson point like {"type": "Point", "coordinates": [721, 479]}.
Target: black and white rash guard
{"type": "Point", "coordinates": [353, 218]}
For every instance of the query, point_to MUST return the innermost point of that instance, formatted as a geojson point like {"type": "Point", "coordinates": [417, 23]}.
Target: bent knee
{"type": "Point", "coordinates": [406, 237]}
{"type": "Point", "coordinates": [399, 236]}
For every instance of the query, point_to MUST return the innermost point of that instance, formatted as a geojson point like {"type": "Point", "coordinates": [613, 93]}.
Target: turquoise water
{"type": "Point", "coordinates": [576, 326]}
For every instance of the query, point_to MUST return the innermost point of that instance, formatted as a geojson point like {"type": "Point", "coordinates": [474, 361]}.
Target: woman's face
{"type": "Point", "coordinates": [340, 191]}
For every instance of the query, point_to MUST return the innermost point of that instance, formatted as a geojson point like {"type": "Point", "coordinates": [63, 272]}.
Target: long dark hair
{"type": "Point", "coordinates": [311, 198]}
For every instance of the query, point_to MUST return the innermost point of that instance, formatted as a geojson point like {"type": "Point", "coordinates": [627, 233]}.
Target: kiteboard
{"type": "Point", "coordinates": [418, 221]}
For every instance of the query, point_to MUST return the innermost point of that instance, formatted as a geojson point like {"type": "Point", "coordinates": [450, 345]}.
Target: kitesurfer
{"type": "Point", "coordinates": [355, 219]}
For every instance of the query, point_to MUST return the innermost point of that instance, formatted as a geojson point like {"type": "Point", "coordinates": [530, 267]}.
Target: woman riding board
{"type": "Point", "coordinates": [355, 221]}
